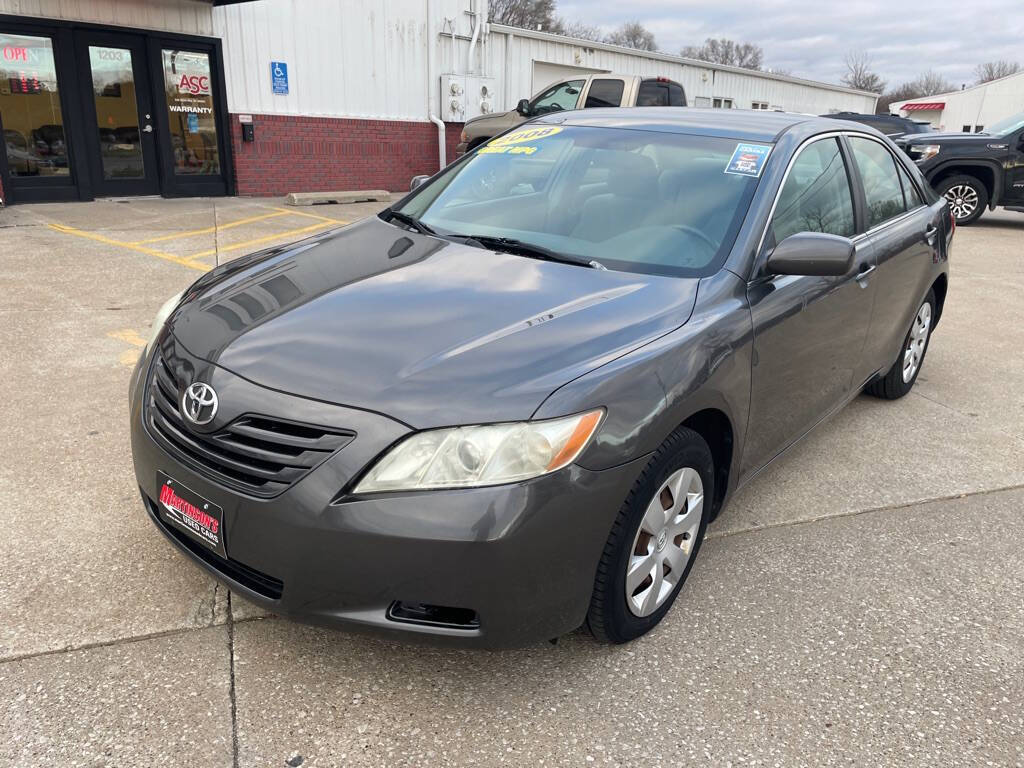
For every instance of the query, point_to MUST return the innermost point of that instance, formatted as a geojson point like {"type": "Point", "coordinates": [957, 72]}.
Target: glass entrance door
{"type": "Point", "coordinates": [119, 116]}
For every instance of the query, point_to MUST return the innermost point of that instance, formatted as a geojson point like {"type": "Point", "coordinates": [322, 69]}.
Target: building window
{"type": "Point", "coordinates": [979, 128]}
{"type": "Point", "coordinates": [702, 101]}
{"type": "Point", "coordinates": [720, 103]}
{"type": "Point", "coordinates": [30, 107]}
{"type": "Point", "coordinates": [966, 129]}
{"type": "Point", "coordinates": [188, 88]}
{"type": "Point", "coordinates": [759, 105]}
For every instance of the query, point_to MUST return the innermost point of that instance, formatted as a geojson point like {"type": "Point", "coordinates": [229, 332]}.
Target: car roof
{"type": "Point", "coordinates": [742, 124]}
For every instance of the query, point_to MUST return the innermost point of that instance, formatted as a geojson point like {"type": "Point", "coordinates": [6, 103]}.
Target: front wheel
{"type": "Point", "coordinates": [967, 197]}
{"type": "Point", "coordinates": [654, 541]}
{"type": "Point", "coordinates": [899, 379]}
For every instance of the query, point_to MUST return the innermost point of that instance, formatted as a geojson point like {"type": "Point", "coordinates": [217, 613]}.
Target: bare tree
{"type": "Point", "coordinates": [728, 52]}
{"type": "Point", "coordinates": [859, 75]}
{"type": "Point", "coordinates": [578, 29]}
{"type": "Point", "coordinates": [993, 70]}
{"type": "Point", "coordinates": [527, 14]}
{"type": "Point", "coordinates": [633, 34]}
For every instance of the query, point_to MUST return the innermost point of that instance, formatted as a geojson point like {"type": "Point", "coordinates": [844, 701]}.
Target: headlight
{"type": "Point", "coordinates": [161, 317]}
{"type": "Point", "coordinates": [463, 457]}
{"type": "Point", "coordinates": [924, 152]}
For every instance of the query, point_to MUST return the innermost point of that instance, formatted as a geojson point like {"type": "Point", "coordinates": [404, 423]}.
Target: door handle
{"type": "Point", "coordinates": [147, 129]}
{"type": "Point", "coordinates": [865, 272]}
{"type": "Point", "coordinates": [930, 233]}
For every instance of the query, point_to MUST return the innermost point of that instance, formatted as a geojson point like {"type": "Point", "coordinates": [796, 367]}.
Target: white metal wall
{"type": "Point", "coordinates": [192, 17]}
{"type": "Point", "coordinates": [369, 59]}
{"type": "Point", "coordinates": [522, 48]}
{"type": "Point", "coordinates": [981, 105]}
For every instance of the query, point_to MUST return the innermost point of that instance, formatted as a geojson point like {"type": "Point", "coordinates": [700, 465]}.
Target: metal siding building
{"type": "Point", "coordinates": [176, 97]}
{"type": "Point", "coordinates": [970, 109]}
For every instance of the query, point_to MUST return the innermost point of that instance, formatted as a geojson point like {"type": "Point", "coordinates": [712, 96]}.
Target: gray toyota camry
{"type": "Point", "coordinates": [510, 404]}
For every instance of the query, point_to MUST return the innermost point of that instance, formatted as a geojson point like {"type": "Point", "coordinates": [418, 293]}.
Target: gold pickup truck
{"type": "Point", "coordinates": [577, 93]}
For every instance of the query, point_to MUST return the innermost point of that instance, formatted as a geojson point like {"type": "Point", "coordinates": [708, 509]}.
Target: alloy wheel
{"type": "Point", "coordinates": [963, 200]}
{"type": "Point", "coordinates": [664, 542]}
{"type": "Point", "coordinates": [916, 344]}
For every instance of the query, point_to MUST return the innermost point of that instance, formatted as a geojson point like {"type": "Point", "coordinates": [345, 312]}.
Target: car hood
{"type": "Point", "coordinates": [495, 117]}
{"type": "Point", "coordinates": [421, 329]}
{"type": "Point", "coordinates": [935, 138]}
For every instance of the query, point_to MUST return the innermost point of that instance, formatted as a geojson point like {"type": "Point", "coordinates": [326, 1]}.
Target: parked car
{"type": "Point", "coordinates": [578, 93]}
{"type": "Point", "coordinates": [891, 125]}
{"type": "Point", "coordinates": [510, 404]}
{"type": "Point", "coordinates": [974, 170]}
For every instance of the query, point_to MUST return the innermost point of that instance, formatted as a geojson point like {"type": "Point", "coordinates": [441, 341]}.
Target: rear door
{"type": "Point", "coordinates": [605, 92]}
{"type": "Point", "coordinates": [808, 331]}
{"type": "Point", "coordinates": [906, 235]}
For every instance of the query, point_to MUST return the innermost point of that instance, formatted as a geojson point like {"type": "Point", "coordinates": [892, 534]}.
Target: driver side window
{"type": "Point", "coordinates": [816, 196]}
{"type": "Point", "coordinates": [557, 98]}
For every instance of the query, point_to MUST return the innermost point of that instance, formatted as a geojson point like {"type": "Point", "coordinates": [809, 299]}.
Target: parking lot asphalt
{"type": "Point", "coordinates": [860, 603]}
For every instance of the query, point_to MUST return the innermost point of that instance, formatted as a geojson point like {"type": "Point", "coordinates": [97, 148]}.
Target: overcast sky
{"type": "Point", "coordinates": [810, 37]}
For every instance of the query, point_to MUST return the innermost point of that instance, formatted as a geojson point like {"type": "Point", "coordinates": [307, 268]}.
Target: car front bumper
{"type": "Point", "coordinates": [523, 556]}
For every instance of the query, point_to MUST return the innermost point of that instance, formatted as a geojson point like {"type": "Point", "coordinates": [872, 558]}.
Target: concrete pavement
{"type": "Point", "coordinates": [859, 603]}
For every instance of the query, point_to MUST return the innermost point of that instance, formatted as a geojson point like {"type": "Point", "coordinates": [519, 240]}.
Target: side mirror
{"type": "Point", "coordinates": [812, 253]}
{"type": "Point", "coordinates": [523, 107]}
{"type": "Point", "coordinates": [418, 181]}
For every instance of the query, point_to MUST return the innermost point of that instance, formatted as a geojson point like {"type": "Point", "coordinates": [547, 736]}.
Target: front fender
{"type": "Point", "coordinates": [965, 166]}
{"type": "Point", "coordinates": [705, 364]}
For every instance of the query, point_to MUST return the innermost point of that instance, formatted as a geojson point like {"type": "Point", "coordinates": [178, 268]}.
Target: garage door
{"type": "Point", "coordinates": [545, 73]}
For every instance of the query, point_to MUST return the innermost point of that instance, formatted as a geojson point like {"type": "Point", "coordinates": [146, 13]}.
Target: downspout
{"type": "Point", "coordinates": [472, 41]}
{"type": "Point", "coordinates": [434, 87]}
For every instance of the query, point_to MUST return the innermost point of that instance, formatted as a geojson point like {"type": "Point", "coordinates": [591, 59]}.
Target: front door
{"type": "Point", "coordinates": [1014, 188]}
{"type": "Point", "coordinates": [809, 331]}
{"type": "Point", "coordinates": [118, 108]}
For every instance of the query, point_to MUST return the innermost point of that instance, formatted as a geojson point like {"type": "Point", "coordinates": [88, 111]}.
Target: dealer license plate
{"type": "Point", "coordinates": [187, 511]}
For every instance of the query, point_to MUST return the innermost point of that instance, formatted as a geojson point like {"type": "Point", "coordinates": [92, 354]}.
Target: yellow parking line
{"type": "Point", "coordinates": [128, 336]}
{"type": "Point", "coordinates": [310, 215]}
{"type": "Point", "coordinates": [266, 239]}
{"type": "Point", "coordinates": [185, 262]}
{"type": "Point", "coordinates": [208, 230]}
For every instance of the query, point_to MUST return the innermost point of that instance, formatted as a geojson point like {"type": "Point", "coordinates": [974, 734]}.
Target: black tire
{"type": "Point", "coordinates": [964, 180]}
{"type": "Point", "coordinates": [891, 386]}
{"type": "Point", "coordinates": [610, 618]}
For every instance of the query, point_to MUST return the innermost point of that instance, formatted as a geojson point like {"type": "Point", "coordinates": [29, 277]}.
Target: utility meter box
{"type": "Point", "coordinates": [453, 98]}
{"type": "Point", "coordinates": [481, 98]}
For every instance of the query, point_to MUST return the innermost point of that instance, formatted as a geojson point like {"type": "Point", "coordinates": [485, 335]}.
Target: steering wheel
{"type": "Point", "coordinates": [698, 234]}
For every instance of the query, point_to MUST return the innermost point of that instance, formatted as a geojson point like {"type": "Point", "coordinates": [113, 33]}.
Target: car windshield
{"type": "Point", "coordinates": [633, 200]}
{"type": "Point", "coordinates": [1009, 125]}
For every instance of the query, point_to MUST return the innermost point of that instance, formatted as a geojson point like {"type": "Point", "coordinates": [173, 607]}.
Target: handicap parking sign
{"type": "Point", "coordinates": [279, 77]}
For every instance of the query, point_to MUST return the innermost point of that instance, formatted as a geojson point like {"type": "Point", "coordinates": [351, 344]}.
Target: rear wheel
{"type": "Point", "coordinates": [899, 379]}
{"type": "Point", "coordinates": [654, 541]}
{"type": "Point", "coordinates": [966, 195]}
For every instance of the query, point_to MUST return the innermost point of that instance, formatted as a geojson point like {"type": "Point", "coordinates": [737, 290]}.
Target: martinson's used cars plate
{"type": "Point", "coordinates": [187, 511]}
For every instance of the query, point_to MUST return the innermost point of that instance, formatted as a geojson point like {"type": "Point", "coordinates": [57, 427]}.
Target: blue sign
{"type": "Point", "coordinates": [748, 159]}
{"type": "Point", "coordinates": [279, 77]}
{"type": "Point", "coordinates": [193, 122]}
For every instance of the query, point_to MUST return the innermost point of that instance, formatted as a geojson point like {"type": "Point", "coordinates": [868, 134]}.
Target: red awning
{"type": "Point", "coordinates": [924, 106]}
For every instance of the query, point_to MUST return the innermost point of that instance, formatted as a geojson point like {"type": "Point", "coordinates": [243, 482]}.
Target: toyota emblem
{"type": "Point", "coordinates": [199, 403]}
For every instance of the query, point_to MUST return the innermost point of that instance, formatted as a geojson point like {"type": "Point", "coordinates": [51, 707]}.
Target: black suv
{"type": "Point", "coordinates": [973, 170]}
{"type": "Point", "coordinates": [891, 125]}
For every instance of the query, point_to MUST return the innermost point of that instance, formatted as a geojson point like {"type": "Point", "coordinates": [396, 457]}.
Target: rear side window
{"type": "Point", "coordinates": [882, 188]}
{"type": "Point", "coordinates": [604, 93]}
{"type": "Point", "coordinates": [816, 197]}
{"type": "Point", "coordinates": [910, 192]}
{"type": "Point", "coordinates": [652, 94]}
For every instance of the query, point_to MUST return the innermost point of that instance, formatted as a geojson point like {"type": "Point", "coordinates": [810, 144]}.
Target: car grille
{"type": "Point", "coordinates": [259, 455]}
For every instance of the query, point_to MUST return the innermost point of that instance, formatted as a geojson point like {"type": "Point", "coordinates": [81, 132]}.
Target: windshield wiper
{"type": "Point", "coordinates": [409, 221]}
{"type": "Point", "coordinates": [531, 250]}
